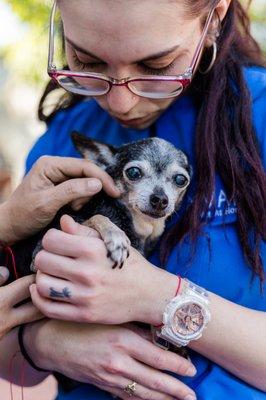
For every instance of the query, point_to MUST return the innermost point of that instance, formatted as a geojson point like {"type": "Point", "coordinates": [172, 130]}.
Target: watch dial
{"type": "Point", "coordinates": [188, 319]}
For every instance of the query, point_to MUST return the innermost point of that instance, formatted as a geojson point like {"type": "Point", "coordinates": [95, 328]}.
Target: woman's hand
{"type": "Point", "coordinates": [52, 183]}
{"type": "Point", "coordinates": [11, 295]}
{"type": "Point", "coordinates": [109, 357]}
{"type": "Point", "coordinates": [75, 281]}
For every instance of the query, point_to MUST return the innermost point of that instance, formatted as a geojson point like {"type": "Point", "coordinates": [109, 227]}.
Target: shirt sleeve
{"type": "Point", "coordinates": [46, 144]}
{"type": "Point", "coordinates": [43, 146]}
{"type": "Point", "coordinates": [56, 141]}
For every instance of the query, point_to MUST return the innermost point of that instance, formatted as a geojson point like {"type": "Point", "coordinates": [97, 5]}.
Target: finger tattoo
{"type": "Point", "coordinates": [64, 294]}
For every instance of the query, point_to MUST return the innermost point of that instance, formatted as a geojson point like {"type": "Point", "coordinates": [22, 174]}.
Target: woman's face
{"type": "Point", "coordinates": [123, 38]}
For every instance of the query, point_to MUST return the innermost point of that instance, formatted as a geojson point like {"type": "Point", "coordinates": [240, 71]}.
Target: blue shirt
{"type": "Point", "coordinates": [218, 264]}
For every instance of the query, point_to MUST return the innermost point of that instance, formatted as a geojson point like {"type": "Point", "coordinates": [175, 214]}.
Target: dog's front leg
{"type": "Point", "coordinates": [116, 241]}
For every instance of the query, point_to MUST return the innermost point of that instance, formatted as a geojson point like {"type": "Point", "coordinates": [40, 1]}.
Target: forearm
{"type": "Point", "coordinates": [235, 338]}
{"type": "Point", "coordinates": [9, 347]}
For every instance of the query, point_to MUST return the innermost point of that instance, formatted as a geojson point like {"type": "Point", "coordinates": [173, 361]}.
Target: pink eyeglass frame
{"type": "Point", "coordinates": [184, 79]}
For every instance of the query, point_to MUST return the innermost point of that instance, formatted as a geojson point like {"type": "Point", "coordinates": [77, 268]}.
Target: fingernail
{"type": "Point", "coordinates": [94, 184]}
{"type": "Point", "coordinates": [190, 397]}
{"type": "Point", "coordinates": [191, 371]}
{"type": "Point", "coordinates": [4, 273]}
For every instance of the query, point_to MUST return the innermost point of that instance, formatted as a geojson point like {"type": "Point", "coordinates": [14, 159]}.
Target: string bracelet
{"type": "Point", "coordinates": [176, 293]}
{"type": "Point", "coordinates": [24, 351]}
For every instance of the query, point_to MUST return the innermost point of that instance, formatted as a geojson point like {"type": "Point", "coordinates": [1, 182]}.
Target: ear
{"type": "Point", "coordinates": [215, 25]}
{"type": "Point", "coordinates": [100, 153]}
{"type": "Point", "coordinates": [222, 8]}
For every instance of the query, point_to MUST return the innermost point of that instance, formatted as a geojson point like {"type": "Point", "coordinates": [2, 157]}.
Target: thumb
{"type": "Point", "coordinates": [74, 189]}
{"type": "Point", "coordinates": [4, 274]}
{"type": "Point", "coordinates": [68, 225]}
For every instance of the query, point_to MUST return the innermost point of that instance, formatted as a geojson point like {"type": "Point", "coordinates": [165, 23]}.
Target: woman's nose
{"type": "Point", "coordinates": [121, 100]}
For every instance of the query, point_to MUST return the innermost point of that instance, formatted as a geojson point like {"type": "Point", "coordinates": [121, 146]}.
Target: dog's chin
{"type": "Point", "coordinates": [153, 215]}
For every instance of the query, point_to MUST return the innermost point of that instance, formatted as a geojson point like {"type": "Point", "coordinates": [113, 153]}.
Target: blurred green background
{"type": "Point", "coordinates": [23, 54]}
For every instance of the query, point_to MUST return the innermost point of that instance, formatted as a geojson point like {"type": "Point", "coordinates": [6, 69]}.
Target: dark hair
{"type": "Point", "coordinates": [227, 144]}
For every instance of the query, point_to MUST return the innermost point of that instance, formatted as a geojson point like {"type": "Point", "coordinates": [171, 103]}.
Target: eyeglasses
{"type": "Point", "coordinates": [97, 84]}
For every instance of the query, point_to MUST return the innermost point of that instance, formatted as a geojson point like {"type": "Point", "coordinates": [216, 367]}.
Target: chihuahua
{"type": "Point", "coordinates": [152, 176]}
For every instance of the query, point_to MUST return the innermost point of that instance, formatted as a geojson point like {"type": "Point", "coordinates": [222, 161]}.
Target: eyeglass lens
{"type": "Point", "coordinates": [97, 87]}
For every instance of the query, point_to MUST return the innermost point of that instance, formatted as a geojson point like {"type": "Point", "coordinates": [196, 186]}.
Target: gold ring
{"type": "Point", "coordinates": [131, 388]}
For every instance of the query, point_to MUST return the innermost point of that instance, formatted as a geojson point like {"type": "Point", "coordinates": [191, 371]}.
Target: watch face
{"type": "Point", "coordinates": [188, 319]}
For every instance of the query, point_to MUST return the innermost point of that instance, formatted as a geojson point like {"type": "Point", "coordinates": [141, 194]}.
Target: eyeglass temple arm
{"type": "Point", "coordinates": [51, 38]}
{"type": "Point", "coordinates": [203, 36]}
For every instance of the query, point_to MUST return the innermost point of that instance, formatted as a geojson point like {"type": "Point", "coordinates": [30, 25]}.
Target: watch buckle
{"type": "Point", "coordinates": [158, 340]}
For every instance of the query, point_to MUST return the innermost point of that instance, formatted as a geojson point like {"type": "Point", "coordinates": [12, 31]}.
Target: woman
{"type": "Point", "coordinates": [215, 242]}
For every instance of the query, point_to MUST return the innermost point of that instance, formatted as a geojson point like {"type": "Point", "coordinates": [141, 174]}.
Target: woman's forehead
{"type": "Point", "coordinates": [125, 26]}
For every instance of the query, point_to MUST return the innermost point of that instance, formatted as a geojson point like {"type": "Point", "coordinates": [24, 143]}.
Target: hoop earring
{"type": "Point", "coordinates": [214, 55]}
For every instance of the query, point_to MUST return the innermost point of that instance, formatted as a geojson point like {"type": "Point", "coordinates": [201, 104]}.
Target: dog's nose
{"type": "Point", "coordinates": [159, 202]}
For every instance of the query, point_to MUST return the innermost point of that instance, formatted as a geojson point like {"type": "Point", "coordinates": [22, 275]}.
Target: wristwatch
{"type": "Point", "coordinates": [184, 318]}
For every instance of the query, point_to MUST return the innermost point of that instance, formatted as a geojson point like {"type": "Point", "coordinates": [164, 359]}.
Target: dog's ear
{"type": "Point", "coordinates": [100, 153]}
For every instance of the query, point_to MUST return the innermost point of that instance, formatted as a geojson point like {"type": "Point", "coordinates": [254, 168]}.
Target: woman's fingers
{"type": "Point", "coordinates": [66, 244]}
{"type": "Point", "coordinates": [18, 290]}
{"type": "Point", "coordinates": [60, 169]}
{"type": "Point", "coordinates": [4, 274]}
{"type": "Point", "coordinates": [11, 314]}
{"type": "Point", "coordinates": [141, 392]}
{"type": "Point", "coordinates": [72, 189]}
{"type": "Point", "coordinates": [24, 314]}
{"type": "Point", "coordinates": [157, 381]}
{"type": "Point", "coordinates": [68, 225]}
{"type": "Point", "coordinates": [56, 289]}
{"type": "Point", "coordinates": [58, 265]}
{"type": "Point", "coordinates": [158, 358]}
{"type": "Point", "coordinates": [51, 309]}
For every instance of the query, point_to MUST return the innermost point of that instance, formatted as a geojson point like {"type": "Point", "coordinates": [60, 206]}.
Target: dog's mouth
{"type": "Point", "coordinates": [155, 215]}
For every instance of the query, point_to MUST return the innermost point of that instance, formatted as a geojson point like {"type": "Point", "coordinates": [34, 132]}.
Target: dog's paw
{"type": "Point", "coordinates": [117, 244]}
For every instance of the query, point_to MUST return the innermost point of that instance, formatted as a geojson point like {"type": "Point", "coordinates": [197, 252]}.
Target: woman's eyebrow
{"type": "Point", "coordinates": [159, 55]}
{"type": "Point", "coordinates": [80, 49]}
{"type": "Point", "coordinates": [148, 58]}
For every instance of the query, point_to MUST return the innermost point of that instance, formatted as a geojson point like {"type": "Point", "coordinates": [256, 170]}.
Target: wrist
{"type": "Point", "coordinates": [162, 289]}
{"type": "Point", "coordinates": [36, 340]}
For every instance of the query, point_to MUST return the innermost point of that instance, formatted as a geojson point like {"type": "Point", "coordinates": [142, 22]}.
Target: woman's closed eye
{"type": "Point", "coordinates": [157, 71]}
{"type": "Point", "coordinates": [142, 67]}
{"type": "Point", "coordinates": [87, 66]}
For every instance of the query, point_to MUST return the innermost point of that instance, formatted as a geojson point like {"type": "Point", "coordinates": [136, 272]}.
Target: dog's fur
{"type": "Point", "coordinates": [138, 216]}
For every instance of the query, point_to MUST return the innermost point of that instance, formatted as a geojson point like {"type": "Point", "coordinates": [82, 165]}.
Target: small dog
{"type": "Point", "coordinates": [152, 176]}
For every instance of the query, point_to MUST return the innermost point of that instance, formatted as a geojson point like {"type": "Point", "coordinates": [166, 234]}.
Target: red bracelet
{"type": "Point", "coordinates": [176, 293]}
{"type": "Point", "coordinates": [10, 255]}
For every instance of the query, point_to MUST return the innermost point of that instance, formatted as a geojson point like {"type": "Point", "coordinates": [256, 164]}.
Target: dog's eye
{"type": "Point", "coordinates": [133, 173]}
{"type": "Point", "coordinates": [180, 180]}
